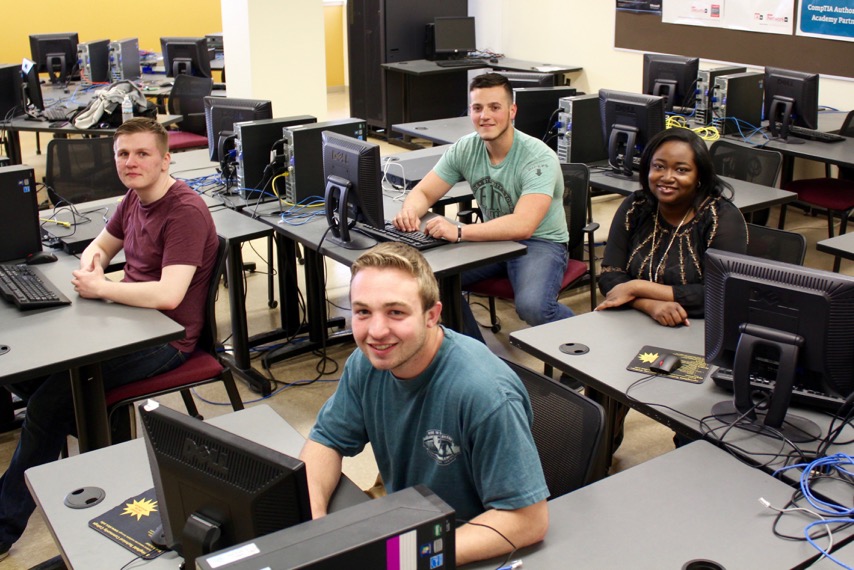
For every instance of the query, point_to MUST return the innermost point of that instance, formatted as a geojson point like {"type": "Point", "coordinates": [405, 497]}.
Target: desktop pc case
{"type": "Point", "coordinates": [93, 61]}
{"type": "Point", "coordinates": [303, 154]}
{"type": "Point", "coordinates": [411, 529]}
{"type": "Point", "coordinates": [739, 96]}
{"type": "Point", "coordinates": [580, 130]}
{"type": "Point", "coordinates": [253, 145]}
{"type": "Point", "coordinates": [20, 233]}
{"type": "Point", "coordinates": [706, 97]}
{"type": "Point", "coordinates": [124, 60]}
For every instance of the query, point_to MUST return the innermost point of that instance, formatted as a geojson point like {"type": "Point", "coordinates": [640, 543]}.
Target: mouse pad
{"type": "Point", "coordinates": [693, 369]}
{"type": "Point", "coordinates": [131, 524]}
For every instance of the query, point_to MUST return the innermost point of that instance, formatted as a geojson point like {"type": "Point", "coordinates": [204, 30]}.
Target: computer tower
{"type": "Point", "coordinates": [20, 233]}
{"type": "Point", "coordinates": [124, 60]}
{"type": "Point", "coordinates": [706, 96]}
{"type": "Point", "coordinates": [411, 529]}
{"type": "Point", "coordinates": [580, 130]}
{"type": "Point", "coordinates": [93, 60]}
{"type": "Point", "coordinates": [739, 97]}
{"type": "Point", "coordinates": [253, 147]}
{"type": "Point", "coordinates": [303, 153]}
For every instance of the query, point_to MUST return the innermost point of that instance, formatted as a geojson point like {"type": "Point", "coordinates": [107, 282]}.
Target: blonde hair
{"type": "Point", "coordinates": [393, 255]}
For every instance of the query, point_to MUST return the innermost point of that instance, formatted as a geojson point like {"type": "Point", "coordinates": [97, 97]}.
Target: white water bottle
{"type": "Point", "coordinates": [127, 109]}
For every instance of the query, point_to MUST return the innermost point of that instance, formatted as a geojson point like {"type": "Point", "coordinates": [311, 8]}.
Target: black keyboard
{"type": "Point", "coordinates": [28, 289]}
{"type": "Point", "coordinates": [418, 240]}
{"type": "Point", "coordinates": [464, 62]}
{"type": "Point", "coordinates": [800, 396]}
{"type": "Point", "coordinates": [813, 135]}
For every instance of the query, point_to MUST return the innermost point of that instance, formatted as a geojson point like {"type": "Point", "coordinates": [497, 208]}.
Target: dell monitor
{"type": "Point", "coordinates": [537, 109]}
{"type": "Point", "coordinates": [32, 87]}
{"type": "Point", "coordinates": [351, 168]}
{"type": "Point", "coordinates": [56, 55]}
{"type": "Point", "coordinates": [220, 115]}
{"type": "Point", "coordinates": [11, 91]}
{"type": "Point", "coordinates": [673, 77]}
{"type": "Point", "coordinates": [215, 489]}
{"type": "Point", "coordinates": [791, 98]}
{"type": "Point", "coordinates": [786, 323]}
{"type": "Point", "coordinates": [186, 55]}
{"type": "Point", "coordinates": [454, 37]}
{"type": "Point", "coordinates": [629, 120]}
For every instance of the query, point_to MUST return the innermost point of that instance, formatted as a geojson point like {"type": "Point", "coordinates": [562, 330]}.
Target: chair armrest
{"type": "Point", "coordinates": [469, 215]}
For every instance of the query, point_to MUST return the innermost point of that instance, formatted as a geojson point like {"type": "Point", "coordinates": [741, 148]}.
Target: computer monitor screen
{"type": "Point", "coordinates": [454, 36]}
{"type": "Point", "coordinates": [55, 54]}
{"type": "Point", "coordinates": [215, 489]}
{"type": "Point", "coordinates": [186, 55]}
{"type": "Point", "coordinates": [354, 193]}
{"type": "Point", "coordinates": [629, 120]}
{"type": "Point", "coordinates": [32, 86]}
{"type": "Point", "coordinates": [671, 76]}
{"type": "Point", "coordinates": [11, 91]}
{"type": "Point", "coordinates": [783, 322]}
{"type": "Point", "coordinates": [537, 109]}
{"type": "Point", "coordinates": [791, 98]}
{"type": "Point", "coordinates": [220, 115]}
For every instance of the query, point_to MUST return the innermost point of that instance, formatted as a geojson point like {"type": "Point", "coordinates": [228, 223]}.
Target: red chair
{"type": "Point", "coordinates": [576, 179]}
{"type": "Point", "coordinates": [202, 367]}
{"type": "Point", "coordinates": [187, 99]}
{"type": "Point", "coordinates": [836, 195]}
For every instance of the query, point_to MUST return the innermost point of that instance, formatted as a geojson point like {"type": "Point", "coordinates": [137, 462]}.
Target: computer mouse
{"type": "Point", "coordinates": [666, 364]}
{"type": "Point", "coordinates": [493, 60]}
{"type": "Point", "coordinates": [40, 257]}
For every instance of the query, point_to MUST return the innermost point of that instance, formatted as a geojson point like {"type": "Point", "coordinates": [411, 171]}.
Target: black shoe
{"type": "Point", "coordinates": [571, 382]}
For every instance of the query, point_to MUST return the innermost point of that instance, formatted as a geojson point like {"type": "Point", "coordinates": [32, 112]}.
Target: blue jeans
{"type": "Point", "coordinates": [535, 278]}
{"type": "Point", "coordinates": [50, 418]}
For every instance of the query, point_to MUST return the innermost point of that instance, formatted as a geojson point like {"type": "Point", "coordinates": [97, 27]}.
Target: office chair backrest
{"type": "Point", "coordinates": [576, 186]}
{"type": "Point", "coordinates": [777, 245]}
{"type": "Point", "coordinates": [567, 431]}
{"type": "Point", "coordinates": [208, 336]}
{"type": "Point", "coordinates": [187, 99]}
{"type": "Point", "coordinates": [750, 164]}
{"type": "Point", "coordinates": [81, 170]}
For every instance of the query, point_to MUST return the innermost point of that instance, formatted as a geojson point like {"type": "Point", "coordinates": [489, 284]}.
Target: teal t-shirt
{"type": "Point", "coordinates": [462, 427]}
{"type": "Point", "coordinates": [530, 167]}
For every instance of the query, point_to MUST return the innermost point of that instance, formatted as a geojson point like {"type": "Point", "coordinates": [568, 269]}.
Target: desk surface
{"type": "Point", "coordinates": [439, 131]}
{"type": "Point", "coordinates": [426, 67]}
{"type": "Point", "coordinates": [696, 502]}
{"type": "Point", "coordinates": [842, 246]}
{"type": "Point", "coordinates": [123, 471]}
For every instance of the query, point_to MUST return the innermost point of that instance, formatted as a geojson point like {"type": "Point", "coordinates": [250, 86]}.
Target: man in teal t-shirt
{"type": "Point", "coordinates": [438, 408]}
{"type": "Point", "coordinates": [517, 182]}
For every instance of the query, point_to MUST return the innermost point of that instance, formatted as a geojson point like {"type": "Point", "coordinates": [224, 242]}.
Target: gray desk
{"type": "Point", "coordinates": [437, 131]}
{"type": "Point", "coordinates": [696, 502]}
{"type": "Point", "coordinates": [45, 341]}
{"type": "Point", "coordinates": [123, 471]}
{"type": "Point", "coordinates": [843, 246]}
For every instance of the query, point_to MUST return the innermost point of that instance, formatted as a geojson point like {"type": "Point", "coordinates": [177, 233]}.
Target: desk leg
{"type": "Point", "coordinates": [451, 293]}
{"type": "Point", "coordinates": [90, 408]}
{"type": "Point", "coordinates": [13, 146]}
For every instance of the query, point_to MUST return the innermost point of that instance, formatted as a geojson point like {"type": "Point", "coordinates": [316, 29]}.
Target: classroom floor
{"type": "Point", "coordinates": [297, 399]}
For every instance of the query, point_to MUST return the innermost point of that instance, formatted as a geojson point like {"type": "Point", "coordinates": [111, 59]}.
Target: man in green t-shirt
{"type": "Point", "coordinates": [517, 183]}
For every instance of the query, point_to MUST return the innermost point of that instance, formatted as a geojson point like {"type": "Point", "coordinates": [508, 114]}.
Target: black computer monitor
{"type": "Point", "coordinates": [671, 76]}
{"type": "Point", "coordinates": [354, 191]}
{"type": "Point", "coordinates": [11, 91]}
{"type": "Point", "coordinates": [537, 109]}
{"type": "Point", "coordinates": [779, 321]}
{"type": "Point", "coordinates": [55, 54]}
{"type": "Point", "coordinates": [186, 55]}
{"type": "Point", "coordinates": [215, 489]}
{"type": "Point", "coordinates": [220, 115]}
{"type": "Point", "coordinates": [791, 98]}
{"type": "Point", "coordinates": [32, 87]}
{"type": "Point", "coordinates": [629, 120]}
{"type": "Point", "coordinates": [454, 36]}
{"type": "Point", "coordinates": [528, 78]}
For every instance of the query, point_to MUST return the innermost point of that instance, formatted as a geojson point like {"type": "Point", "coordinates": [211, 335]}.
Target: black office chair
{"type": "Point", "coordinates": [776, 244]}
{"type": "Point", "coordinates": [578, 272]}
{"type": "Point", "coordinates": [80, 170]}
{"type": "Point", "coordinates": [567, 431]}
{"type": "Point", "coordinates": [756, 165]}
{"type": "Point", "coordinates": [187, 99]}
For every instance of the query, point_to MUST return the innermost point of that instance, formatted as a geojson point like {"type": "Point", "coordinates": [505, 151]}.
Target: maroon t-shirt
{"type": "Point", "coordinates": [175, 230]}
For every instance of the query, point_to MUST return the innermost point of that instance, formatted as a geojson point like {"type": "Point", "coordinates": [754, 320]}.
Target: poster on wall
{"type": "Point", "coordinates": [639, 6]}
{"type": "Point", "coordinates": [766, 16]}
{"type": "Point", "coordinates": [830, 19]}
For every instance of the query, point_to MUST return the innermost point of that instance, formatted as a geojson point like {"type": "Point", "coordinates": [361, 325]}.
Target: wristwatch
{"type": "Point", "coordinates": [459, 232]}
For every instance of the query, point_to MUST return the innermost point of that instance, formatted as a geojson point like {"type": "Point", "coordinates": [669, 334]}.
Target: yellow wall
{"type": "Point", "coordinates": [334, 25]}
{"type": "Point", "coordinates": [103, 19]}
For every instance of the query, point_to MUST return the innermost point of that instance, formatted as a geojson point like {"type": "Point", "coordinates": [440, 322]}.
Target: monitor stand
{"type": "Point", "coordinates": [339, 218]}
